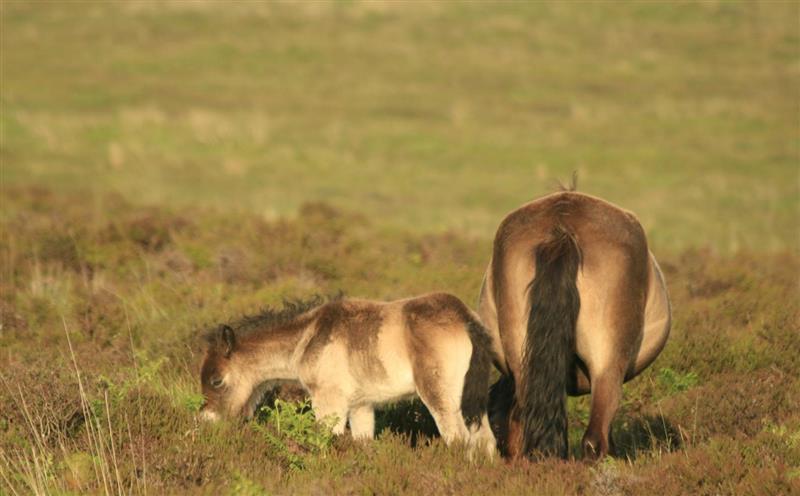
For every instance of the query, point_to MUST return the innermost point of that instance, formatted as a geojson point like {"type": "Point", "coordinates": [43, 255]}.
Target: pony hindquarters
{"type": "Point", "coordinates": [571, 294]}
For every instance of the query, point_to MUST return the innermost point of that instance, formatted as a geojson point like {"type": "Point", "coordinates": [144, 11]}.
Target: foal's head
{"type": "Point", "coordinates": [223, 388]}
{"type": "Point", "coordinates": [238, 363]}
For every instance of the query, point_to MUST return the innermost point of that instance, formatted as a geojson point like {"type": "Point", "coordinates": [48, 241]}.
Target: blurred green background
{"type": "Point", "coordinates": [425, 116]}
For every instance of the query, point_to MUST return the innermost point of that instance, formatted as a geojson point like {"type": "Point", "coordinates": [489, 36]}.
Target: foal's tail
{"type": "Point", "coordinates": [475, 396]}
{"type": "Point", "coordinates": [549, 345]}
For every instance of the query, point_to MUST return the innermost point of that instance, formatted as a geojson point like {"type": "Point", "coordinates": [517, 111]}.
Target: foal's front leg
{"type": "Point", "coordinates": [362, 422]}
{"type": "Point", "coordinates": [330, 404]}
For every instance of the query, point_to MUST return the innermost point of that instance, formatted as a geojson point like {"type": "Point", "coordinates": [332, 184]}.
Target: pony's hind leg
{"type": "Point", "coordinates": [609, 332]}
{"type": "Point", "coordinates": [362, 422]}
{"type": "Point", "coordinates": [606, 397]}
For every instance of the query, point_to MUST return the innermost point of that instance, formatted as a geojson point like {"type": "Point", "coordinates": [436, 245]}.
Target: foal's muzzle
{"type": "Point", "coordinates": [208, 415]}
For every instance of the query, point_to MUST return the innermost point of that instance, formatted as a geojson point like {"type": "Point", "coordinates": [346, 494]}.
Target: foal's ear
{"type": "Point", "coordinates": [228, 340]}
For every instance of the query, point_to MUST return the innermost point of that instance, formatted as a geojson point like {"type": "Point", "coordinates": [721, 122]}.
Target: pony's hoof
{"type": "Point", "coordinates": [593, 449]}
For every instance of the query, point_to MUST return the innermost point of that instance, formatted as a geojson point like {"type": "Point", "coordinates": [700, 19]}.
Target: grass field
{"type": "Point", "coordinates": [167, 165]}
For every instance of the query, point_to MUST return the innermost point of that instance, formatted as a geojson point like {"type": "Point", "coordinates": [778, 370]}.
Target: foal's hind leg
{"type": "Point", "coordinates": [483, 438]}
{"type": "Point", "coordinates": [447, 415]}
{"type": "Point", "coordinates": [439, 385]}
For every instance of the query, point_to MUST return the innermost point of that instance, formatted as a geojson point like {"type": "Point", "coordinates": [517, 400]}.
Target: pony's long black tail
{"type": "Point", "coordinates": [549, 346]}
{"type": "Point", "coordinates": [475, 395]}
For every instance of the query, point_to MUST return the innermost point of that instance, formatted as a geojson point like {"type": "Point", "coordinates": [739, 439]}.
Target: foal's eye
{"type": "Point", "coordinates": [216, 382]}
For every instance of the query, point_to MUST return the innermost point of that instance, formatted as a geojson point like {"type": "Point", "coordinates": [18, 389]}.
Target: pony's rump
{"type": "Point", "coordinates": [549, 344]}
{"type": "Point", "coordinates": [553, 340]}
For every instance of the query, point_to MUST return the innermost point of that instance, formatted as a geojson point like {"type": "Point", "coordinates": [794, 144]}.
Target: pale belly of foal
{"type": "Point", "coordinates": [396, 384]}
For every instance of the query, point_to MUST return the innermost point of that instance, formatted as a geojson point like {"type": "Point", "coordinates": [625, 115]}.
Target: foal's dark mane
{"type": "Point", "coordinates": [272, 318]}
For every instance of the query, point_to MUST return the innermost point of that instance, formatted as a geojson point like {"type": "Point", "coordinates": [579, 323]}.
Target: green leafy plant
{"type": "Point", "coordinates": [294, 432]}
{"type": "Point", "coordinates": [193, 401]}
{"type": "Point", "coordinates": [242, 486]}
{"type": "Point", "coordinates": [676, 382]}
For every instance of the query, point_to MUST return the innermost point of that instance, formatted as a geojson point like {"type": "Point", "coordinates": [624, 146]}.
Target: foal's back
{"type": "Point", "coordinates": [382, 341]}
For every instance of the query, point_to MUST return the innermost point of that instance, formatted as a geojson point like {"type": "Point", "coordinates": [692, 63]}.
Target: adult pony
{"type": "Point", "coordinates": [575, 303]}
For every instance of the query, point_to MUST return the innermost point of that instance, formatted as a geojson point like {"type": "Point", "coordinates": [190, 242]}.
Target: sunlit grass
{"type": "Point", "coordinates": [120, 413]}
